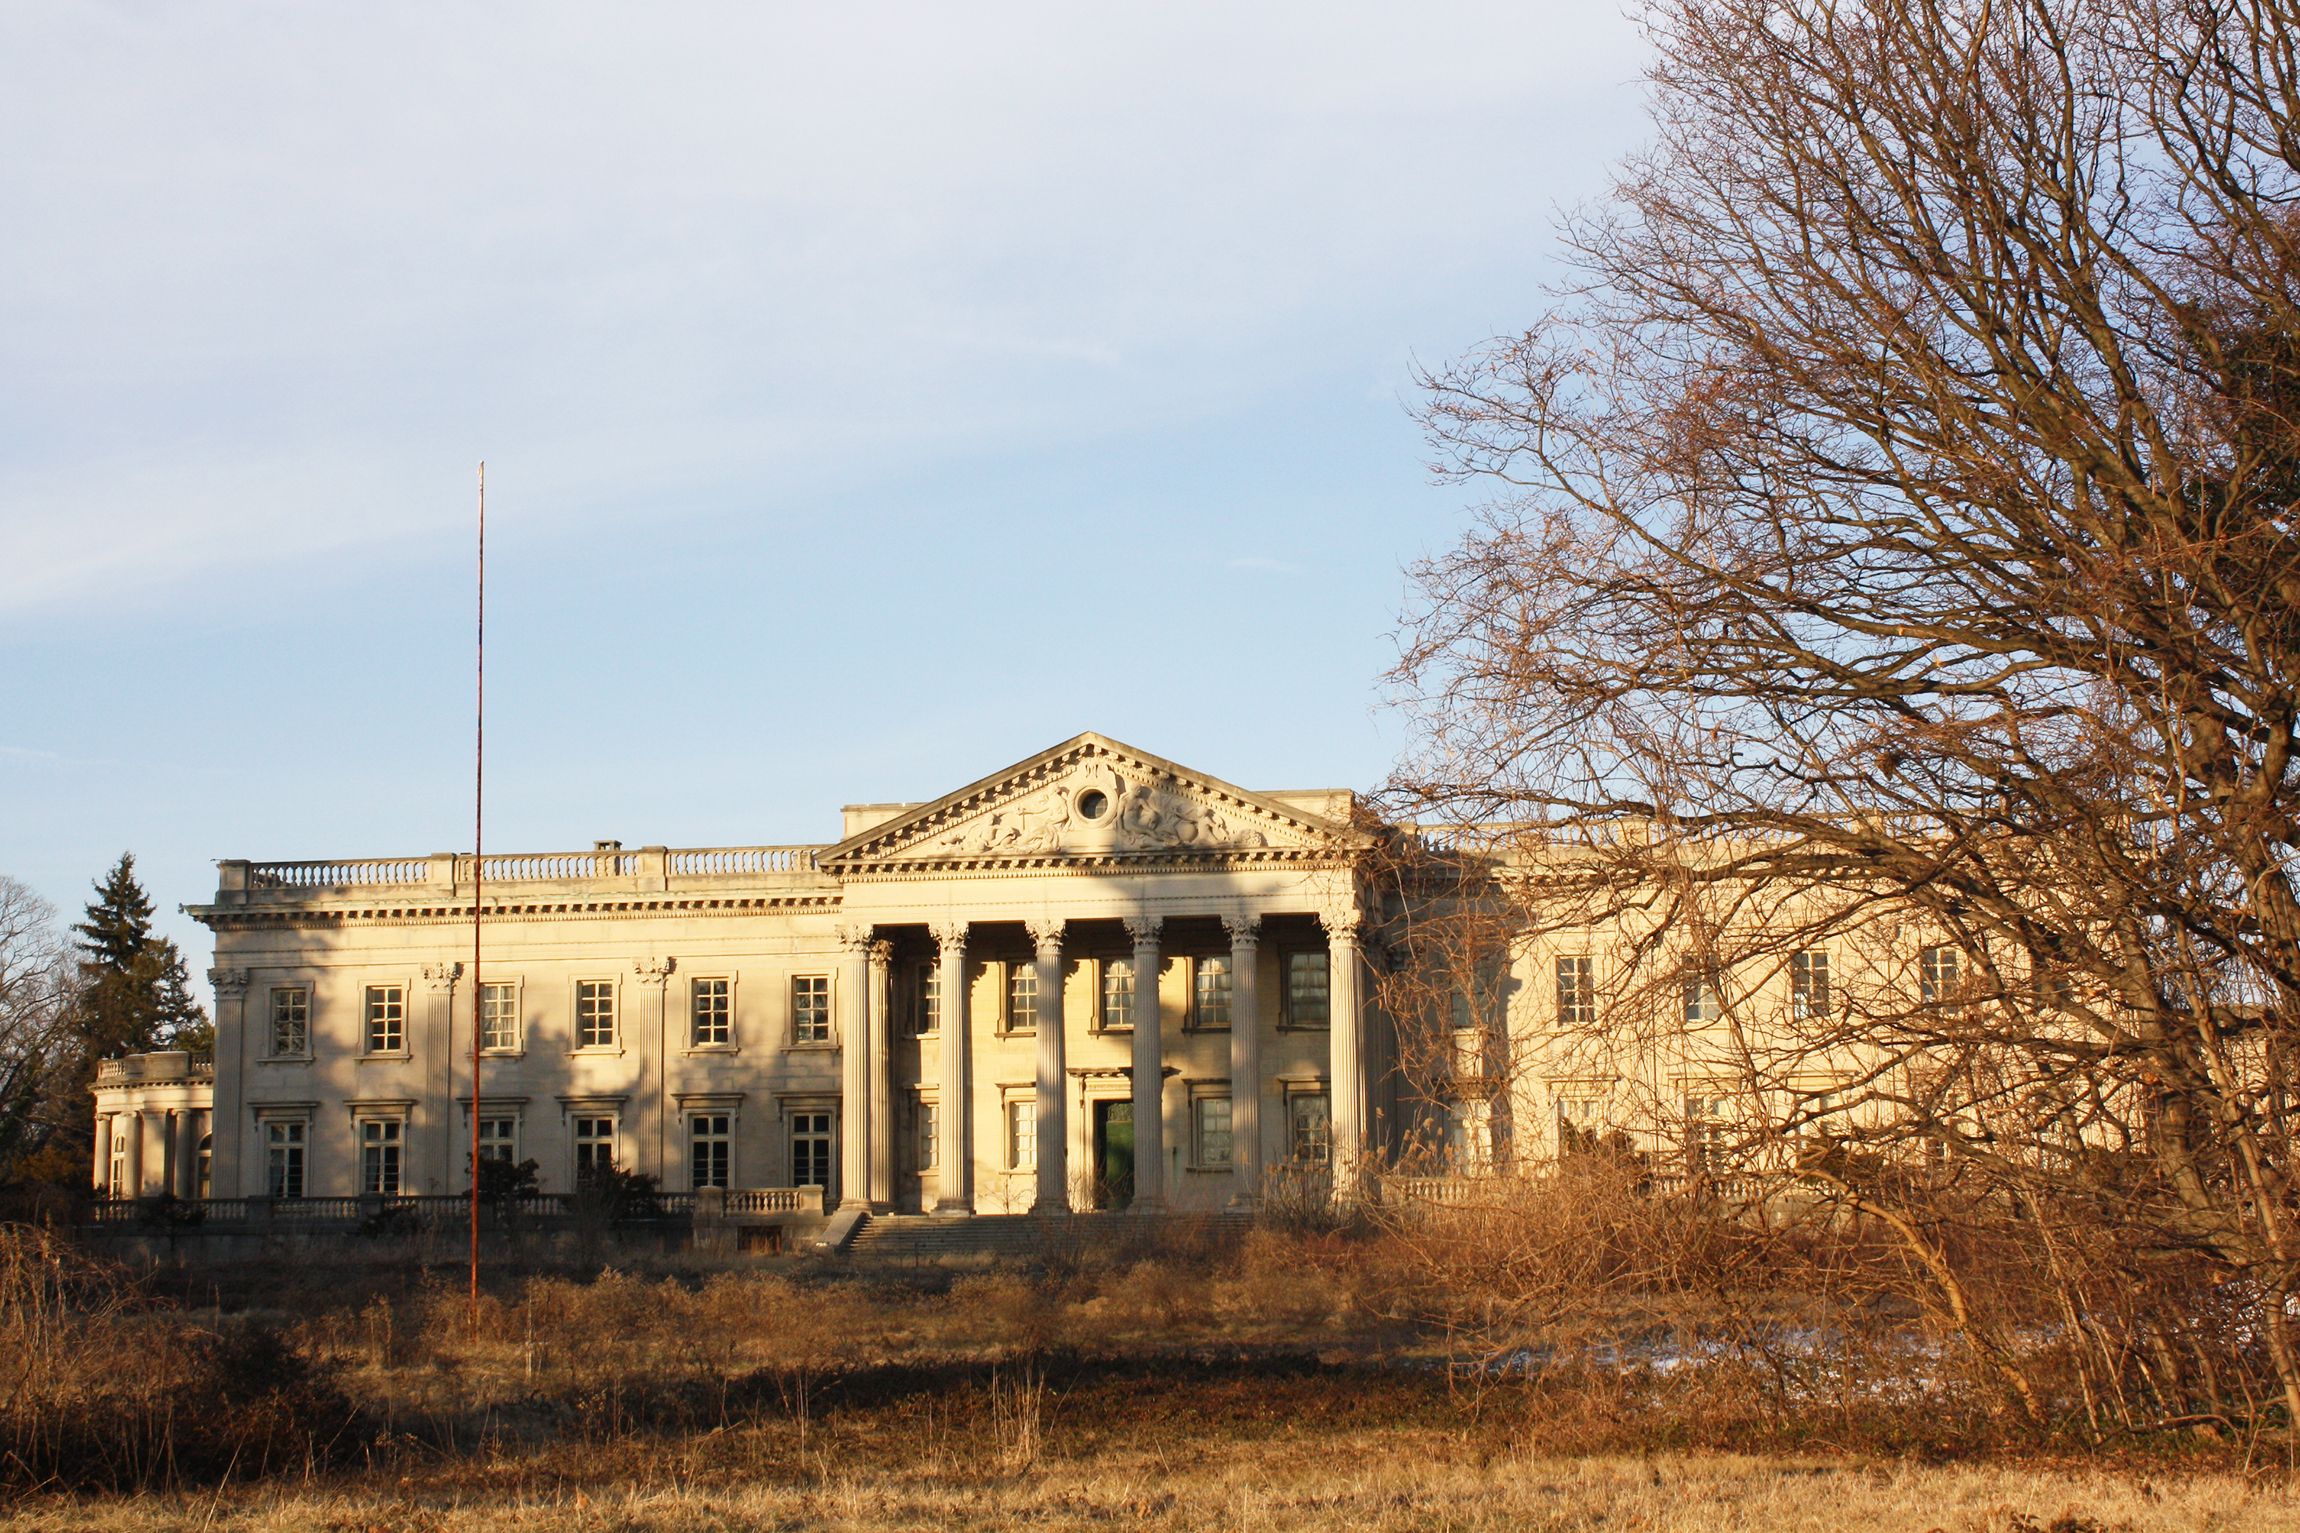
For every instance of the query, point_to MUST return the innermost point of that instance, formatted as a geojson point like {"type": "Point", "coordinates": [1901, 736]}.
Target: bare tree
{"type": "Point", "coordinates": [1894, 549]}
{"type": "Point", "coordinates": [36, 1039]}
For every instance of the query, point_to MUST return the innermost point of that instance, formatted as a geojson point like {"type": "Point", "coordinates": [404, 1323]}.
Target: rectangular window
{"type": "Point", "coordinates": [711, 1013]}
{"type": "Point", "coordinates": [710, 1149]}
{"type": "Point", "coordinates": [1309, 1126]}
{"type": "Point", "coordinates": [1809, 983]}
{"type": "Point", "coordinates": [1700, 1002]}
{"type": "Point", "coordinates": [284, 1158]}
{"type": "Point", "coordinates": [1210, 1133]}
{"type": "Point", "coordinates": [925, 1141]}
{"type": "Point", "coordinates": [499, 1017]}
{"type": "Point", "coordinates": [926, 1001]}
{"type": "Point", "coordinates": [1117, 993]}
{"type": "Point", "coordinates": [810, 1008]}
{"type": "Point", "coordinates": [594, 1147]}
{"type": "Point", "coordinates": [810, 1149]}
{"type": "Point", "coordinates": [1021, 997]}
{"type": "Point", "coordinates": [117, 1182]}
{"type": "Point", "coordinates": [386, 1019]}
{"type": "Point", "coordinates": [1210, 993]}
{"type": "Point", "coordinates": [1576, 991]}
{"type": "Point", "coordinates": [1704, 1131]}
{"type": "Point", "coordinates": [1022, 1134]}
{"type": "Point", "coordinates": [1308, 990]}
{"type": "Point", "coordinates": [379, 1146]}
{"type": "Point", "coordinates": [291, 1022]}
{"type": "Point", "coordinates": [499, 1140]}
{"type": "Point", "coordinates": [1580, 1124]}
{"type": "Point", "coordinates": [1937, 973]}
{"type": "Point", "coordinates": [594, 1013]}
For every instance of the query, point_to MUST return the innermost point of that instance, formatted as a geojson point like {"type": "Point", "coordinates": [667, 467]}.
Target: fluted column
{"type": "Point", "coordinates": [881, 1079]}
{"type": "Point", "coordinates": [854, 1067]}
{"type": "Point", "coordinates": [1246, 1052]}
{"type": "Point", "coordinates": [103, 1151]}
{"type": "Point", "coordinates": [1149, 1068]}
{"type": "Point", "coordinates": [1346, 1042]}
{"type": "Point", "coordinates": [184, 1160]}
{"type": "Point", "coordinates": [133, 1124]}
{"type": "Point", "coordinates": [956, 1152]}
{"type": "Point", "coordinates": [227, 1168]}
{"type": "Point", "coordinates": [1053, 1076]}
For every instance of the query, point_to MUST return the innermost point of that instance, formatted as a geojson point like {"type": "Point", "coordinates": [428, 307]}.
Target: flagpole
{"type": "Point", "coordinates": [478, 864]}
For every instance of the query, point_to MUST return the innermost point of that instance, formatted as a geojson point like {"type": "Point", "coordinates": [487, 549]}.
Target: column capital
{"type": "Point", "coordinates": [950, 934]}
{"type": "Point", "coordinates": [1245, 930]}
{"type": "Point", "coordinates": [443, 974]}
{"type": "Point", "coordinates": [881, 952]}
{"type": "Point", "coordinates": [653, 971]}
{"type": "Point", "coordinates": [1046, 935]}
{"type": "Point", "coordinates": [230, 983]}
{"type": "Point", "coordinates": [1145, 929]}
{"type": "Point", "coordinates": [1345, 926]}
{"type": "Point", "coordinates": [856, 934]}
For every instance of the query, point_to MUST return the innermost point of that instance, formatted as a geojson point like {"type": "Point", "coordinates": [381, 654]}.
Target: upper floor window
{"type": "Point", "coordinates": [291, 1021]}
{"type": "Point", "coordinates": [386, 1019]}
{"type": "Point", "coordinates": [711, 1003]}
{"type": "Point", "coordinates": [1576, 990]}
{"type": "Point", "coordinates": [810, 1008]}
{"type": "Point", "coordinates": [1937, 973]}
{"type": "Point", "coordinates": [1210, 992]}
{"type": "Point", "coordinates": [1308, 989]}
{"type": "Point", "coordinates": [594, 1013]}
{"type": "Point", "coordinates": [1701, 1005]}
{"type": "Point", "coordinates": [925, 1000]}
{"type": "Point", "coordinates": [1809, 983]}
{"type": "Point", "coordinates": [1117, 999]}
{"type": "Point", "coordinates": [499, 1017]}
{"type": "Point", "coordinates": [1021, 997]}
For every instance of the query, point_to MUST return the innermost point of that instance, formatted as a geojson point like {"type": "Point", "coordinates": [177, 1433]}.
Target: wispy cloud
{"type": "Point", "coordinates": [1270, 566]}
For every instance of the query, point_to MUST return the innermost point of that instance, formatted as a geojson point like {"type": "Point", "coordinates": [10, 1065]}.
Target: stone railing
{"type": "Point", "coordinates": [165, 1067]}
{"type": "Point", "coordinates": [338, 875]}
{"type": "Point", "coordinates": [450, 873]}
{"type": "Point", "coordinates": [420, 1208]}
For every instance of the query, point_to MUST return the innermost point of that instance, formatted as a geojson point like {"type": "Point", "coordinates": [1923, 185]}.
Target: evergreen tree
{"type": "Point", "coordinates": [135, 994]}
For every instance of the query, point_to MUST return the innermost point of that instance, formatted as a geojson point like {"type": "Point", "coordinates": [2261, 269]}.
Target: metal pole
{"type": "Point", "coordinates": [478, 805]}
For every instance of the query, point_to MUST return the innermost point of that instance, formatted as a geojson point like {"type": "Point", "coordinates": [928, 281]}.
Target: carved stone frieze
{"type": "Point", "coordinates": [1103, 808]}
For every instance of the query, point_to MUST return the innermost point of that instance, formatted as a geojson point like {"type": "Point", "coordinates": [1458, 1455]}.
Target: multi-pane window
{"type": "Point", "coordinates": [1021, 997]}
{"type": "Point", "coordinates": [594, 1147]}
{"type": "Point", "coordinates": [291, 1021]}
{"type": "Point", "coordinates": [1308, 990]}
{"type": "Point", "coordinates": [1210, 992]}
{"type": "Point", "coordinates": [926, 1001]}
{"type": "Point", "coordinates": [1117, 992]}
{"type": "Point", "coordinates": [810, 1008]}
{"type": "Point", "coordinates": [925, 1141]}
{"type": "Point", "coordinates": [709, 1149]}
{"type": "Point", "coordinates": [499, 1017]}
{"type": "Point", "coordinates": [1309, 1126]}
{"type": "Point", "coordinates": [1809, 983]}
{"type": "Point", "coordinates": [1580, 1123]}
{"type": "Point", "coordinates": [1576, 990]}
{"type": "Point", "coordinates": [499, 1139]}
{"type": "Point", "coordinates": [1700, 996]}
{"type": "Point", "coordinates": [1704, 1131]}
{"type": "Point", "coordinates": [810, 1149]}
{"type": "Point", "coordinates": [1210, 1133]}
{"type": "Point", "coordinates": [711, 1013]}
{"type": "Point", "coordinates": [1022, 1134]}
{"type": "Point", "coordinates": [386, 1019]}
{"type": "Point", "coordinates": [380, 1142]}
{"type": "Point", "coordinates": [594, 1013]}
{"type": "Point", "coordinates": [284, 1141]}
{"type": "Point", "coordinates": [1937, 973]}
{"type": "Point", "coordinates": [117, 1182]}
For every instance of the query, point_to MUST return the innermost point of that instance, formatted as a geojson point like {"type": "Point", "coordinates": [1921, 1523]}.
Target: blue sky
{"type": "Point", "coordinates": [871, 397]}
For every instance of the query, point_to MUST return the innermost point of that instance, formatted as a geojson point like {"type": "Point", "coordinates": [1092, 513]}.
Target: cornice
{"type": "Point", "coordinates": [218, 918]}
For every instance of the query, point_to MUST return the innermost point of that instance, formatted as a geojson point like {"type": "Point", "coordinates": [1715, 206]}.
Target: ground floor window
{"type": "Point", "coordinates": [204, 1167]}
{"type": "Point", "coordinates": [710, 1147]}
{"type": "Point", "coordinates": [499, 1139]}
{"type": "Point", "coordinates": [117, 1180]}
{"type": "Point", "coordinates": [284, 1144]}
{"type": "Point", "coordinates": [594, 1147]}
{"type": "Point", "coordinates": [381, 1141]}
{"type": "Point", "coordinates": [1210, 1133]}
{"type": "Point", "coordinates": [810, 1149]}
{"type": "Point", "coordinates": [925, 1142]}
{"type": "Point", "coordinates": [1310, 1126]}
{"type": "Point", "coordinates": [1022, 1134]}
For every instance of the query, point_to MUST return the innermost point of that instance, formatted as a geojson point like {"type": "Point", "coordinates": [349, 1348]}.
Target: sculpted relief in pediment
{"type": "Point", "coordinates": [1101, 810]}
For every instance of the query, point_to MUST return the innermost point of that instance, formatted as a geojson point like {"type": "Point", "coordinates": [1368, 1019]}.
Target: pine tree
{"type": "Point", "coordinates": [135, 993]}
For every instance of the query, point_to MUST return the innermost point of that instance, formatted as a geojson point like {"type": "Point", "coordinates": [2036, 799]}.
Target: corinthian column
{"type": "Point", "coordinates": [1053, 1104]}
{"type": "Point", "coordinates": [1346, 1041]}
{"type": "Point", "coordinates": [955, 1195]}
{"type": "Point", "coordinates": [881, 1080]}
{"type": "Point", "coordinates": [1246, 1052]}
{"type": "Point", "coordinates": [228, 1169]}
{"type": "Point", "coordinates": [1149, 1069]}
{"type": "Point", "coordinates": [103, 1150]}
{"type": "Point", "coordinates": [854, 1067]}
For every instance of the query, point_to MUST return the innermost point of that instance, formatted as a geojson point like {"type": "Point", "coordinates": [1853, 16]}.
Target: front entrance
{"type": "Point", "coordinates": [1113, 1154]}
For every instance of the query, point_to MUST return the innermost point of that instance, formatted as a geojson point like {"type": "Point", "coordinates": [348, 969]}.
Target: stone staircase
{"type": "Point", "coordinates": [984, 1239]}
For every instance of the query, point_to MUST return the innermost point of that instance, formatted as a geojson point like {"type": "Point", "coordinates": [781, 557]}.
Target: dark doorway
{"type": "Point", "coordinates": [1113, 1154]}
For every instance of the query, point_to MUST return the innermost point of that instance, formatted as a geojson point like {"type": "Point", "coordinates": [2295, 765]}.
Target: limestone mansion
{"type": "Point", "coordinates": [1096, 977]}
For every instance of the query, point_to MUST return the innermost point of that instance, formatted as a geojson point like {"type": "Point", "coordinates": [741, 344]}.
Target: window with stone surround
{"type": "Point", "coordinates": [1021, 998]}
{"type": "Point", "coordinates": [1114, 1008]}
{"type": "Point", "coordinates": [1308, 989]}
{"type": "Point", "coordinates": [1210, 993]}
{"type": "Point", "coordinates": [1210, 1132]}
{"type": "Point", "coordinates": [925, 1141]}
{"type": "Point", "coordinates": [710, 1149]}
{"type": "Point", "coordinates": [594, 1146]}
{"type": "Point", "coordinates": [810, 1008]}
{"type": "Point", "coordinates": [594, 1014]}
{"type": "Point", "coordinates": [1309, 1125]}
{"type": "Point", "coordinates": [285, 1141]}
{"type": "Point", "coordinates": [1809, 983]}
{"type": "Point", "coordinates": [1938, 970]}
{"type": "Point", "coordinates": [1021, 1133]}
{"type": "Point", "coordinates": [499, 1017]}
{"type": "Point", "coordinates": [925, 1009]}
{"type": "Point", "coordinates": [1701, 1006]}
{"type": "Point", "coordinates": [499, 1139]}
{"type": "Point", "coordinates": [291, 1022]}
{"type": "Point", "coordinates": [711, 1014]}
{"type": "Point", "coordinates": [386, 1019]}
{"type": "Point", "coordinates": [811, 1149]}
{"type": "Point", "coordinates": [1576, 990]}
{"type": "Point", "coordinates": [381, 1142]}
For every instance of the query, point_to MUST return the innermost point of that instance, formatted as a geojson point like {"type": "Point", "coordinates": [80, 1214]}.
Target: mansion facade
{"type": "Point", "coordinates": [1094, 979]}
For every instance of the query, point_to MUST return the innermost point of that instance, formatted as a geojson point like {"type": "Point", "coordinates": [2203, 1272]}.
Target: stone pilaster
{"type": "Point", "coordinates": [956, 1152]}
{"type": "Point", "coordinates": [855, 1066]}
{"type": "Point", "coordinates": [1246, 1052]}
{"type": "Point", "coordinates": [1053, 1079]}
{"type": "Point", "coordinates": [882, 1077]}
{"type": "Point", "coordinates": [236, 1045]}
{"type": "Point", "coordinates": [1149, 1068]}
{"type": "Point", "coordinates": [653, 1035]}
{"type": "Point", "coordinates": [435, 1125]}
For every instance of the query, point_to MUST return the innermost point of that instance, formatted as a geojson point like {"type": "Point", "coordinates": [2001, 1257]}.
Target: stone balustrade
{"type": "Point", "coordinates": [607, 866]}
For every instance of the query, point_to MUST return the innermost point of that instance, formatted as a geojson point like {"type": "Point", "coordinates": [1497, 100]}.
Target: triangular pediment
{"type": "Point", "coordinates": [1091, 798]}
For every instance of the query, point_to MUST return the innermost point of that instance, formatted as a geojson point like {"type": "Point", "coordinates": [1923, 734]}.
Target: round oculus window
{"type": "Point", "coordinates": [1093, 804]}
